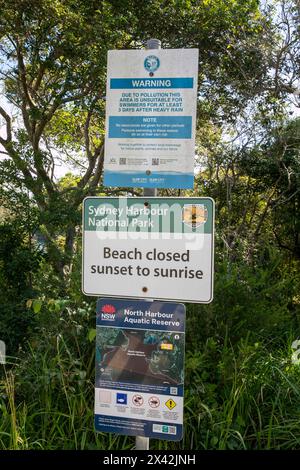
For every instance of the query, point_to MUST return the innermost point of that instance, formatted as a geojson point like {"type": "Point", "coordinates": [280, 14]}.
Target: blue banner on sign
{"type": "Point", "coordinates": [139, 427]}
{"type": "Point", "coordinates": [139, 368]}
{"type": "Point", "coordinates": [141, 180]}
{"type": "Point", "coordinates": [161, 316]}
{"type": "Point", "coordinates": [154, 127]}
{"type": "Point", "coordinates": [130, 83]}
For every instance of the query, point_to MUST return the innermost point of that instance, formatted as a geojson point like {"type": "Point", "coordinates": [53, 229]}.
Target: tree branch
{"type": "Point", "coordinates": [48, 114]}
{"type": "Point", "coordinates": [22, 75]}
{"type": "Point", "coordinates": [265, 211]}
{"type": "Point", "coordinates": [87, 135]}
{"type": "Point", "coordinates": [45, 119]}
{"type": "Point", "coordinates": [22, 83]}
{"type": "Point", "coordinates": [41, 172]}
{"type": "Point", "coordinates": [99, 168]}
{"type": "Point", "coordinates": [39, 77]}
{"type": "Point", "coordinates": [8, 125]}
{"type": "Point", "coordinates": [32, 184]}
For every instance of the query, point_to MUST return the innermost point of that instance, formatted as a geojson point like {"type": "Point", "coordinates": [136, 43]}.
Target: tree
{"type": "Point", "coordinates": [53, 56]}
{"type": "Point", "coordinates": [246, 160]}
{"type": "Point", "coordinates": [276, 166]}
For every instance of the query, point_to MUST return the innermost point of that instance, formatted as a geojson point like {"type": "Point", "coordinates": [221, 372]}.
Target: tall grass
{"type": "Point", "coordinates": [241, 397]}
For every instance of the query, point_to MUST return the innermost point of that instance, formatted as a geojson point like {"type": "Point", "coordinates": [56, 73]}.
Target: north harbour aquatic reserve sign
{"type": "Point", "coordinates": [151, 102]}
{"type": "Point", "coordinates": [140, 368]}
{"type": "Point", "coordinates": [149, 247]}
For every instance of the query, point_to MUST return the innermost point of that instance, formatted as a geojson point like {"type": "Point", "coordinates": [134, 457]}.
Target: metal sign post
{"type": "Point", "coordinates": [142, 443]}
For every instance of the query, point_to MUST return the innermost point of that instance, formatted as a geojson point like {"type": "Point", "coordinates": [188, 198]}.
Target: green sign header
{"type": "Point", "coordinates": [149, 214]}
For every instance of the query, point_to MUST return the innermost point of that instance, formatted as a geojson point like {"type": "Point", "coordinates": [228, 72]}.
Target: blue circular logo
{"type": "Point", "coordinates": [151, 63]}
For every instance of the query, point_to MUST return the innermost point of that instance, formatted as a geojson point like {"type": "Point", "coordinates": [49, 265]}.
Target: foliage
{"type": "Point", "coordinates": [241, 386]}
{"type": "Point", "coordinates": [241, 395]}
{"type": "Point", "coordinates": [19, 261]}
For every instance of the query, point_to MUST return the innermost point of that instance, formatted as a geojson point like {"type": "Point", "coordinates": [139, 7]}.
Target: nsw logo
{"type": "Point", "coordinates": [151, 63]}
{"type": "Point", "coordinates": [108, 312]}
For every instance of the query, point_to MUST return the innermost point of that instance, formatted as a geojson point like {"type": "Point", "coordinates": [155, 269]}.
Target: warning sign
{"type": "Point", "coordinates": [151, 119]}
{"type": "Point", "coordinates": [170, 404]}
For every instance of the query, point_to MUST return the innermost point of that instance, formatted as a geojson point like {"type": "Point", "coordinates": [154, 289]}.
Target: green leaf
{"type": "Point", "coordinates": [37, 305]}
{"type": "Point", "coordinates": [92, 334]}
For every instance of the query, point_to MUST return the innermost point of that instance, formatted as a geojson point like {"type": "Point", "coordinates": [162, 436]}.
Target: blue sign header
{"type": "Point", "coordinates": [161, 316]}
{"type": "Point", "coordinates": [130, 83]}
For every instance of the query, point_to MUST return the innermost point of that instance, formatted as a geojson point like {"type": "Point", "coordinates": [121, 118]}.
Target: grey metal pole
{"type": "Point", "coordinates": [153, 44]}
{"type": "Point", "coordinates": [141, 442]}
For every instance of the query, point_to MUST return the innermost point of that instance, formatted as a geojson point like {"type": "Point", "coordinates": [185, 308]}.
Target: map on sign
{"type": "Point", "coordinates": [139, 368]}
{"type": "Point", "coordinates": [140, 356]}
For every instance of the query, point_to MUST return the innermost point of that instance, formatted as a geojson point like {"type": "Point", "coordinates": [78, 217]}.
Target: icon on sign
{"type": "Point", "coordinates": [122, 398]}
{"type": "Point", "coordinates": [166, 346]}
{"type": "Point", "coordinates": [194, 215]}
{"type": "Point", "coordinates": [137, 400]}
{"type": "Point", "coordinates": [151, 63]}
{"type": "Point", "coordinates": [173, 390]}
{"type": "Point", "coordinates": [108, 312]}
{"type": "Point", "coordinates": [170, 404]}
{"type": "Point", "coordinates": [105, 396]}
{"type": "Point", "coordinates": [108, 309]}
{"type": "Point", "coordinates": [154, 402]}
